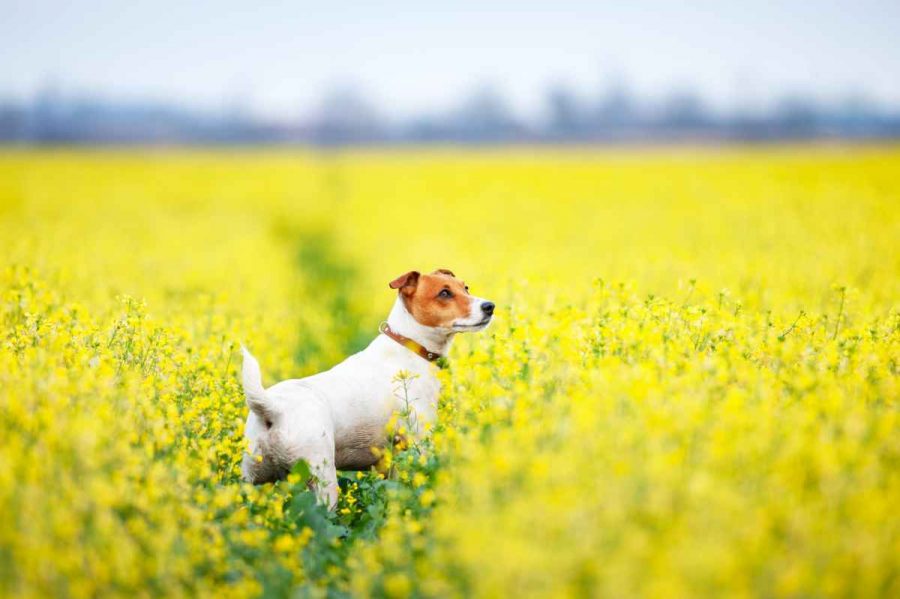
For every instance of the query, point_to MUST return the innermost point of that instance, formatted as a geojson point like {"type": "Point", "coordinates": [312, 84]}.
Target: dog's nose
{"type": "Point", "coordinates": [487, 308]}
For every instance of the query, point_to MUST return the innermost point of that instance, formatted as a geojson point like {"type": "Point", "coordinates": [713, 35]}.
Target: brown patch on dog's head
{"type": "Point", "coordinates": [436, 299]}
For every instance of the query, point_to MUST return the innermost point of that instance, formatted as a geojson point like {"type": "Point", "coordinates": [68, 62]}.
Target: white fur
{"type": "Point", "coordinates": [335, 418]}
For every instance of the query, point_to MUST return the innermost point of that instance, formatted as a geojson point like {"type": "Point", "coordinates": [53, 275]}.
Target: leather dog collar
{"type": "Point", "coordinates": [408, 343]}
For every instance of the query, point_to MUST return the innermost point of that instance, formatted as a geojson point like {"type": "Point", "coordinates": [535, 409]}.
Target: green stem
{"type": "Point", "coordinates": [837, 325]}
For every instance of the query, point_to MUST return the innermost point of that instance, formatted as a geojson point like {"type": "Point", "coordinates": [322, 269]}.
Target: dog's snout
{"type": "Point", "coordinates": [487, 308]}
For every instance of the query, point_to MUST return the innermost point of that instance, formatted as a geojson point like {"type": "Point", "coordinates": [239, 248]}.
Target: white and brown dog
{"type": "Point", "coordinates": [334, 419]}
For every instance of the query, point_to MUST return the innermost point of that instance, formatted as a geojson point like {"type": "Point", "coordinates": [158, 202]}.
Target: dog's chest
{"type": "Point", "coordinates": [398, 395]}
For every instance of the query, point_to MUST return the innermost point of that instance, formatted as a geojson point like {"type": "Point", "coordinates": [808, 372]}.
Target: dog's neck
{"type": "Point", "coordinates": [431, 338]}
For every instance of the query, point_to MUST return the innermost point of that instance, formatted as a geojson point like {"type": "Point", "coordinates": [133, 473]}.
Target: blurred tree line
{"type": "Point", "coordinates": [347, 116]}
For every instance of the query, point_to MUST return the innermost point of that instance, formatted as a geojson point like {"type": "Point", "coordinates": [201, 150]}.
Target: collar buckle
{"type": "Point", "coordinates": [385, 329]}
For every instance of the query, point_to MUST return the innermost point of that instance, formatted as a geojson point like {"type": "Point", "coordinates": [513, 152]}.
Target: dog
{"type": "Point", "coordinates": [337, 419]}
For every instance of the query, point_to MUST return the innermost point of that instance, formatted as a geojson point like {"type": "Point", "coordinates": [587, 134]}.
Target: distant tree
{"type": "Point", "coordinates": [565, 111]}
{"type": "Point", "coordinates": [485, 116]}
{"type": "Point", "coordinates": [345, 116]}
{"type": "Point", "coordinates": [49, 114]}
{"type": "Point", "coordinates": [684, 110]}
{"type": "Point", "coordinates": [12, 122]}
{"type": "Point", "coordinates": [427, 128]}
{"type": "Point", "coordinates": [616, 113]}
{"type": "Point", "coordinates": [796, 116]}
{"type": "Point", "coordinates": [857, 116]}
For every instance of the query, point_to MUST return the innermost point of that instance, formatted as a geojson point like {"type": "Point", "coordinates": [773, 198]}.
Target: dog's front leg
{"type": "Point", "coordinates": [325, 484]}
{"type": "Point", "coordinates": [318, 451]}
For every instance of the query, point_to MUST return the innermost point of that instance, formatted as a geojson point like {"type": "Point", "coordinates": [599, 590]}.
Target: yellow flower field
{"type": "Point", "coordinates": [690, 389]}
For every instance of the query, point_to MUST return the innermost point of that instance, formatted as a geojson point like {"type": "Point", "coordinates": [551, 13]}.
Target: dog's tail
{"type": "Point", "coordinates": [257, 400]}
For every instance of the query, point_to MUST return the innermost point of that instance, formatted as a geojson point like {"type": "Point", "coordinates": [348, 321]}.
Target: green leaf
{"type": "Point", "coordinates": [301, 469]}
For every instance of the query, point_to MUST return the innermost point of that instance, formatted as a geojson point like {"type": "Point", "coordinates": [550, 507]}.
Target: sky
{"type": "Point", "coordinates": [276, 59]}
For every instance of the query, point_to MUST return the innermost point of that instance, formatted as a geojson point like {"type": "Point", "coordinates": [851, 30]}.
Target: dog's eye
{"type": "Point", "coordinates": [445, 293]}
{"type": "Point", "coordinates": [268, 424]}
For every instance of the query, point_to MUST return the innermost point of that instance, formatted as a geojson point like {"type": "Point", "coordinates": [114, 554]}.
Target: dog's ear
{"type": "Point", "coordinates": [444, 271]}
{"type": "Point", "coordinates": [406, 283]}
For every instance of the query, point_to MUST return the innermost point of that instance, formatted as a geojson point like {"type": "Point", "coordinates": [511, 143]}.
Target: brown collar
{"type": "Point", "coordinates": [409, 344]}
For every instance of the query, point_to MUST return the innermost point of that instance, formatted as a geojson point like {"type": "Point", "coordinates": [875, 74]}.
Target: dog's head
{"type": "Point", "coordinates": [440, 300]}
